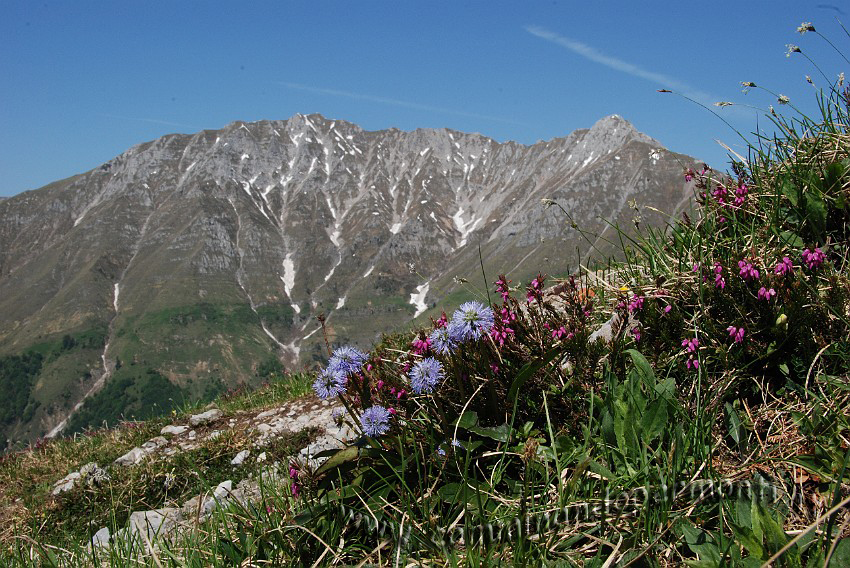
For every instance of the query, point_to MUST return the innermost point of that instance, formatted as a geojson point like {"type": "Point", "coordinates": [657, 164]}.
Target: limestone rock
{"type": "Point", "coordinates": [205, 417]}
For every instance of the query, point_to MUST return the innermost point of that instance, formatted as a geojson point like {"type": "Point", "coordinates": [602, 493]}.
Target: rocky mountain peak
{"type": "Point", "coordinates": [198, 257]}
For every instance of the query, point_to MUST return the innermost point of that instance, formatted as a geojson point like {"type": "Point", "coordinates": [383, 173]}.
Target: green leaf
{"type": "Point", "coordinates": [500, 433]}
{"type": "Point", "coordinates": [841, 555]}
{"type": "Point", "coordinates": [791, 239]}
{"type": "Point", "coordinates": [341, 457]}
{"type": "Point", "coordinates": [790, 190]}
{"type": "Point", "coordinates": [468, 420]}
{"type": "Point", "coordinates": [643, 366]}
{"type": "Point", "coordinates": [654, 420]}
{"type": "Point", "coordinates": [816, 213]}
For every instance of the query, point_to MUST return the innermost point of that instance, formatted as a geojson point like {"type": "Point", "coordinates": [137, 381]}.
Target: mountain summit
{"type": "Point", "coordinates": [191, 263]}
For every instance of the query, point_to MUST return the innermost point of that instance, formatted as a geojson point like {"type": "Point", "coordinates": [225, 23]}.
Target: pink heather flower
{"type": "Point", "coordinates": [421, 346]}
{"type": "Point", "coordinates": [719, 281]}
{"type": "Point", "coordinates": [636, 304]}
{"type": "Point", "coordinates": [502, 288]}
{"type": "Point", "coordinates": [392, 411]}
{"type": "Point", "coordinates": [692, 363]}
{"type": "Point", "coordinates": [813, 259]}
{"type": "Point", "coordinates": [494, 367]}
{"type": "Point", "coordinates": [667, 309]}
{"type": "Point", "coordinates": [766, 294]}
{"type": "Point", "coordinates": [690, 345]}
{"type": "Point", "coordinates": [784, 267]}
{"type": "Point", "coordinates": [747, 270]}
{"type": "Point", "coordinates": [740, 194]}
{"type": "Point", "coordinates": [736, 333]}
{"type": "Point", "coordinates": [379, 384]}
{"type": "Point", "coordinates": [562, 332]}
{"type": "Point", "coordinates": [636, 333]}
{"type": "Point", "coordinates": [696, 267]}
{"type": "Point", "coordinates": [721, 219]}
{"type": "Point", "coordinates": [535, 290]}
{"type": "Point", "coordinates": [720, 193]}
{"type": "Point", "coordinates": [689, 174]}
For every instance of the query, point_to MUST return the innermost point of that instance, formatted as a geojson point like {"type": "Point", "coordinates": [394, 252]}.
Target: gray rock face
{"type": "Point", "coordinates": [278, 221]}
{"type": "Point", "coordinates": [153, 524]}
{"type": "Point", "coordinates": [205, 417]}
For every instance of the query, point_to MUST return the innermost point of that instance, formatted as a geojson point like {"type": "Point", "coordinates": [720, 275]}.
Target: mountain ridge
{"type": "Point", "coordinates": [195, 253]}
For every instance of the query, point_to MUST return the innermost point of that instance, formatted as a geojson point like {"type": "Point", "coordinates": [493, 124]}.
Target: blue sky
{"type": "Point", "coordinates": [82, 81]}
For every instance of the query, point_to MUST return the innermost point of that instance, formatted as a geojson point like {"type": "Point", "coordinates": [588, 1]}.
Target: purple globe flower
{"type": "Point", "coordinates": [329, 384]}
{"type": "Point", "coordinates": [470, 321]}
{"type": "Point", "coordinates": [346, 360]}
{"type": "Point", "coordinates": [441, 341]}
{"type": "Point", "coordinates": [425, 375]}
{"type": "Point", "coordinates": [375, 421]}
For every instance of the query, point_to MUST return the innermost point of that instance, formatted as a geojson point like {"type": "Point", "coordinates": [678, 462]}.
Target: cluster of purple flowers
{"type": "Point", "coordinates": [470, 322]}
{"type": "Point", "coordinates": [740, 194]}
{"type": "Point", "coordinates": [719, 281]}
{"type": "Point", "coordinates": [785, 266]}
{"type": "Point", "coordinates": [691, 346]}
{"type": "Point", "coordinates": [813, 259]}
{"type": "Point", "coordinates": [331, 381]}
{"type": "Point", "coordinates": [441, 341]}
{"type": "Point", "coordinates": [535, 290]}
{"type": "Point", "coordinates": [766, 293]}
{"type": "Point", "coordinates": [425, 375]}
{"type": "Point", "coordinates": [636, 304]}
{"type": "Point", "coordinates": [736, 333]}
{"type": "Point", "coordinates": [375, 421]}
{"type": "Point", "coordinates": [747, 270]}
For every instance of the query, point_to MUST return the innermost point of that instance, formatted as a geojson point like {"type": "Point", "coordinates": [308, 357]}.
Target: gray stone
{"type": "Point", "coordinates": [155, 523]}
{"type": "Point", "coordinates": [205, 417]}
{"type": "Point", "coordinates": [240, 457]}
{"type": "Point", "coordinates": [66, 483]}
{"type": "Point", "coordinates": [173, 430]}
{"type": "Point", "coordinates": [101, 537]}
{"type": "Point", "coordinates": [154, 443]}
{"type": "Point", "coordinates": [132, 457]}
{"type": "Point", "coordinates": [267, 413]}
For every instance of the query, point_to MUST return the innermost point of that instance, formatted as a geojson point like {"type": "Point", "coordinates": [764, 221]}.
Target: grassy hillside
{"type": "Point", "coordinates": [689, 405]}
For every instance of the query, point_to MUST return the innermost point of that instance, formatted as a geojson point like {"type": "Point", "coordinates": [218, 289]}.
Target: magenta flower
{"type": "Point", "coordinates": [736, 333]}
{"type": "Point", "coordinates": [766, 294]}
{"type": "Point", "coordinates": [636, 304]}
{"type": "Point", "coordinates": [740, 194]}
{"type": "Point", "coordinates": [747, 270]}
{"type": "Point", "coordinates": [690, 345]}
{"type": "Point", "coordinates": [719, 281]}
{"type": "Point", "coordinates": [636, 333]}
{"type": "Point", "coordinates": [692, 363]}
{"type": "Point", "coordinates": [420, 346]}
{"type": "Point", "coordinates": [689, 174]}
{"type": "Point", "coordinates": [784, 267]}
{"type": "Point", "coordinates": [503, 289]}
{"type": "Point", "coordinates": [813, 259]}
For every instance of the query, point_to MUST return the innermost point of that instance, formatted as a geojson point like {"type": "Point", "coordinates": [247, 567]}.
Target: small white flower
{"type": "Point", "coordinates": [805, 27]}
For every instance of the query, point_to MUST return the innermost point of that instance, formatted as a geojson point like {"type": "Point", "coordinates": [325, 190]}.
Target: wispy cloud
{"type": "Point", "coordinates": [151, 120]}
{"type": "Point", "coordinates": [395, 102]}
{"type": "Point", "coordinates": [593, 54]}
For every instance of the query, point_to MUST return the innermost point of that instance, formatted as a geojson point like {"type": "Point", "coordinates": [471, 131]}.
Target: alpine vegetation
{"type": "Point", "coordinates": [686, 402]}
